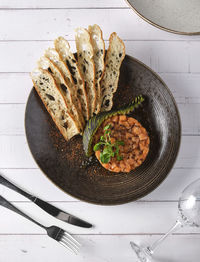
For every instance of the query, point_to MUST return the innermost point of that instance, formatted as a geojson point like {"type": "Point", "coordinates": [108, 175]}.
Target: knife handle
{"type": "Point", "coordinates": [8, 184]}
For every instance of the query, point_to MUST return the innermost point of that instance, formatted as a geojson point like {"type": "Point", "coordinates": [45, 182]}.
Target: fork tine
{"type": "Point", "coordinates": [66, 246]}
{"type": "Point", "coordinates": [70, 241]}
{"type": "Point", "coordinates": [69, 246]}
{"type": "Point", "coordinates": [70, 237]}
{"type": "Point", "coordinates": [75, 248]}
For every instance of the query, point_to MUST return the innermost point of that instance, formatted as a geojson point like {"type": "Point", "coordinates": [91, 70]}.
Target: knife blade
{"type": "Point", "coordinates": [61, 215]}
{"type": "Point", "coordinates": [47, 207]}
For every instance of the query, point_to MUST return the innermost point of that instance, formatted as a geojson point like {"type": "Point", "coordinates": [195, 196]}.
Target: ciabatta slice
{"type": "Point", "coordinates": [86, 65]}
{"type": "Point", "coordinates": [54, 103]}
{"type": "Point", "coordinates": [78, 96]}
{"type": "Point", "coordinates": [45, 63]}
{"type": "Point", "coordinates": [99, 53]}
{"type": "Point", "coordinates": [53, 55]}
{"type": "Point", "coordinates": [63, 48]}
{"type": "Point", "coordinates": [109, 83]}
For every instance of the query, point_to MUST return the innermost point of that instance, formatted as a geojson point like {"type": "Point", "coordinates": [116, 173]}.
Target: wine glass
{"type": "Point", "coordinates": [188, 215]}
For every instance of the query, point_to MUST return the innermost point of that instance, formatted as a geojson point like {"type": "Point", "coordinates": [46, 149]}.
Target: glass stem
{"type": "Point", "coordinates": [177, 225]}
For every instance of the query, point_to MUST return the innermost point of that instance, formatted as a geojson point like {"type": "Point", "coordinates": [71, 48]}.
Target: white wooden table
{"type": "Point", "coordinates": [27, 28]}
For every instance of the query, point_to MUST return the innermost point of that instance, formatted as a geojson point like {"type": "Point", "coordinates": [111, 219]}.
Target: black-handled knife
{"type": "Point", "coordinates": [50, 209]}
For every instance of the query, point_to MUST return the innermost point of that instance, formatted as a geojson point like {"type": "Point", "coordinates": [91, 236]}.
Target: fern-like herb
{"type": "Point", "coordinates": [109, 149]}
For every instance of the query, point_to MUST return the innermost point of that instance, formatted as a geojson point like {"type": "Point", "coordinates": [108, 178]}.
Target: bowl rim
{"type": "Point", "coordinates": [159, 26]}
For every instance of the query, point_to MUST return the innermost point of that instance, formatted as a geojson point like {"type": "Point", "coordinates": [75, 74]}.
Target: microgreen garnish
{"type": "Point", "coordinates": [109, 149]}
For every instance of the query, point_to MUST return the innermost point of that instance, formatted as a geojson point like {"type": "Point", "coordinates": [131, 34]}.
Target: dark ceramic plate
{"type": "Point", "coordinates": [62, 161]}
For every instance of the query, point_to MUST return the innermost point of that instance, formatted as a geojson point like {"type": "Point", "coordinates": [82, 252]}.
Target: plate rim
{"type": "Point", "coordinates": [159, 26]}
{"type": "Point", "coordinates": [144, 194]}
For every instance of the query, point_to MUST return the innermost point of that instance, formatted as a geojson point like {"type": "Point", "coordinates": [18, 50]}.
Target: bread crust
{"type": "Point", "coordinates": [99, 54]}
{"type": "Point", "coordinates": [46, 63]}
{"type": "Point", "coordinates": [107, 91]}
{"type": "Point", "coordinates": [85, 59]}
{"type": "Point", "coordinates": [61, 45]}
{"type": "Point", "coordinates": [48, 109]}
{"type": "Point", "coordinates": [52, 55]}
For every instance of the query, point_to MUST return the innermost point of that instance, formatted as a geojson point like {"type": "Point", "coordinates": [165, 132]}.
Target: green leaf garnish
{"type": "Point", "coordinates": [110, 149]}
{"type": "Point", "coordinates": [107, 132]}
{"type": "Point", "coordinates": [97, 147]}
{"type": "Point", "coordinates": [105, 158]}
{"type": "Point", "coordinates": [107, 150]}
{"type": "Point", "coordinates": [107, 127]}
{"type": "Point", "coordinates": [102, 138]}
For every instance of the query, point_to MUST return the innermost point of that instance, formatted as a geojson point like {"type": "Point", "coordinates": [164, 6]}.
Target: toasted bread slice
{"type": "Point", "coordinates": [54, 102]}
{"type": "Point", "coordinates": [54, 57]}
{"type": "Point", "coordinates": [113, 60]}
{"type": "Point", "coordinates": [86, 65]}
{"type": "Point", "coordinates": [99, 54]}
{"type": "Point", "coordinates": [63, 49]}
{"type": "Point", "coordinates": [45, 63]}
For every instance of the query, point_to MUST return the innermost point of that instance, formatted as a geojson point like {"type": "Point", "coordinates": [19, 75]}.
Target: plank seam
{"type": "Point", "coordinates": [104, 234]}
{"type": "Point", "coordinates": [62, 8]}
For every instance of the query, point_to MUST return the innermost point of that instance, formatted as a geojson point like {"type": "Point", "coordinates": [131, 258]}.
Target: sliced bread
{"type": "Point", "coordinates": [86, 65]}
{"type": "Point", "coordinates": [78, 94]}
{"type": "Point", "coordinates": [45, 63]}
{"type": "Point", "coordinates": [54, 103]}
{"type": "Point", "coordinates": [109, 83]}
{"type": "Point", "coordinates": [99, 53]}
{"type": "Point", "coordinates": [63, 49]}
{"type": "Point", "coordinates": [53, 55]}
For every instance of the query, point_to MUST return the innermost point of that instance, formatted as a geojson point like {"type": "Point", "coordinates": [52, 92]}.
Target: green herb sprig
{"type": "Point", "coordinates": [109, 149]}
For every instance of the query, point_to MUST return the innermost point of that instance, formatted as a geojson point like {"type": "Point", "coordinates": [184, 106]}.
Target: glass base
{"type": "Point", "coordinates": [144, 254]}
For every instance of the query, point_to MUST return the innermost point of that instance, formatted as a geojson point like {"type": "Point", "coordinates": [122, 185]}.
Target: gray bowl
{"type": "Point", "coordinates": [175, 16]}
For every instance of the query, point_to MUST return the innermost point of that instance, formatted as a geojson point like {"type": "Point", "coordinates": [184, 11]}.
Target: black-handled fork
{"type": "Point", "coordinates": [50, 209]}
{"type": "Point", "coordinates": [54, 232]}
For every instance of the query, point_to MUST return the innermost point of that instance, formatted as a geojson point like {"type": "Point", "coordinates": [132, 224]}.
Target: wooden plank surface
{"type": "Point", "coordinates": [54, 22]}
{"type": "Point", "coordinates": [27, 28]}
{"type": "Point", "coordinates": [36, 4]}
{"type": "Point", "coordinates": [97, 248]}
{"type": "Point", "coordinates": [132, 218]}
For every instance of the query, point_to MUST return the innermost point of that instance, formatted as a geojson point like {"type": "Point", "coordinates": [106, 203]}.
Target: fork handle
{"type": "Point", "coordinates": [8, 184]}
{"type": "Point", "coordinates": [7, 204]}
